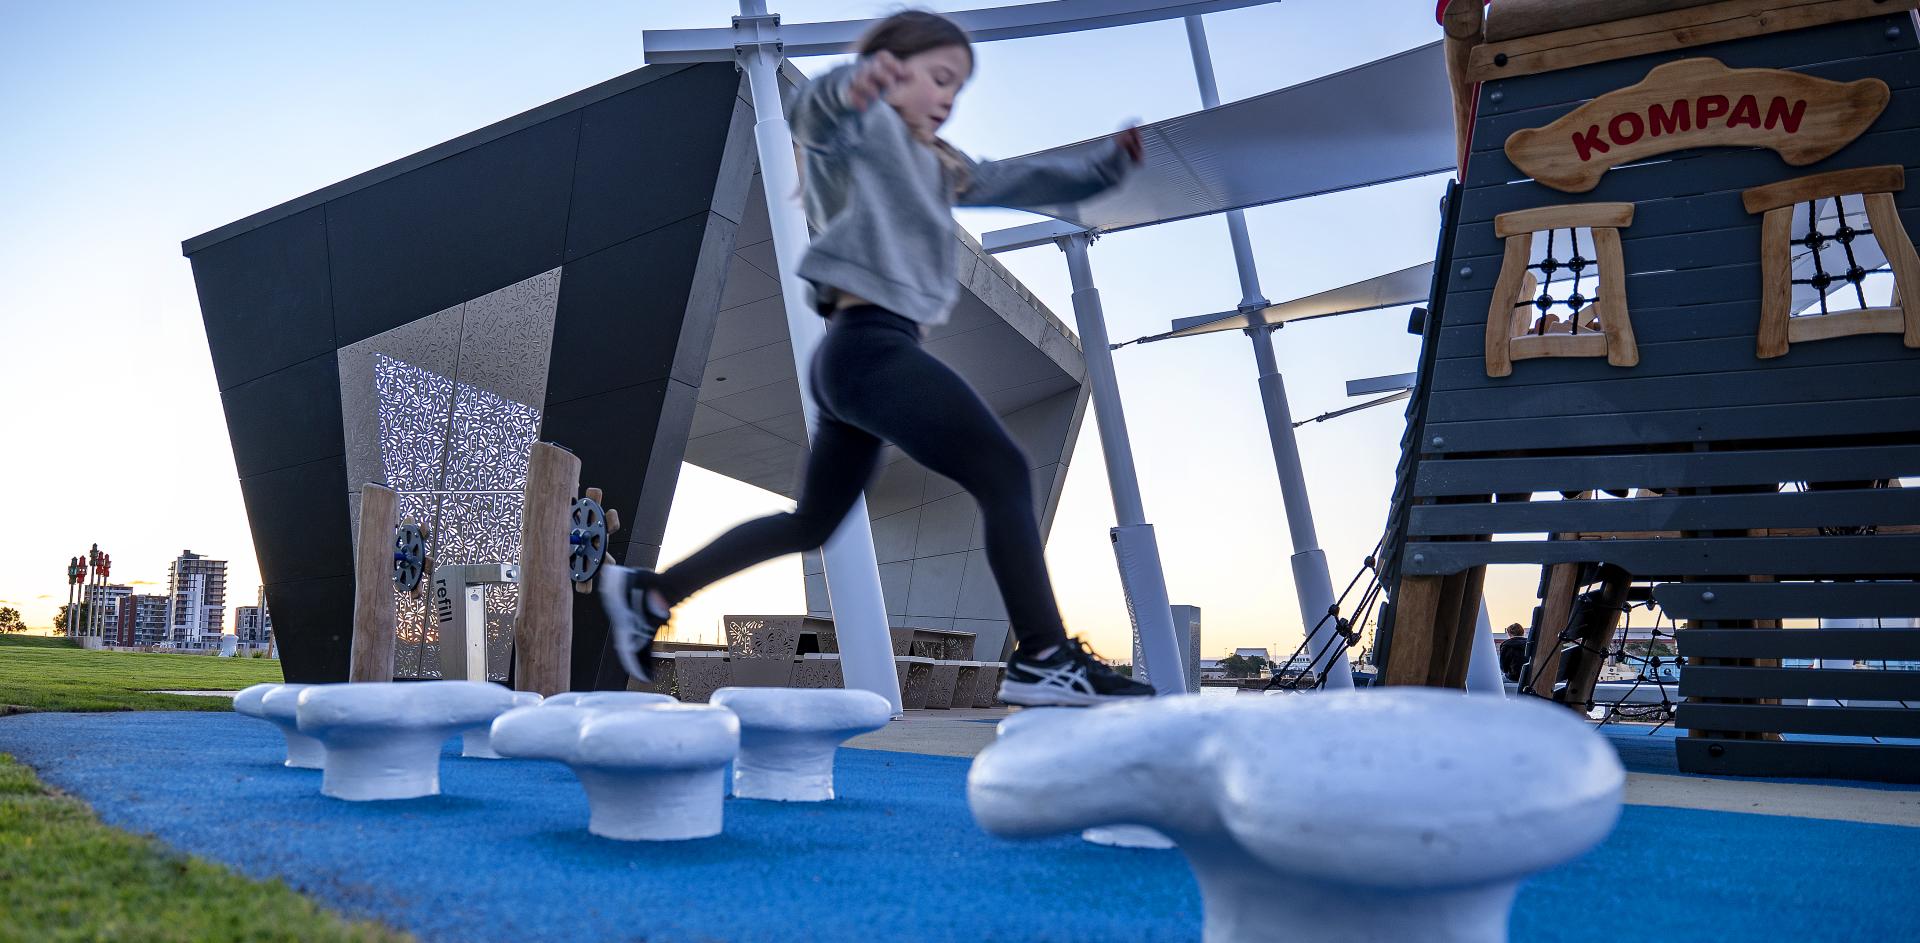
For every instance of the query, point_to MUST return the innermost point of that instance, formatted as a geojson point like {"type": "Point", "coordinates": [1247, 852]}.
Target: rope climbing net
{"type": "Point", "coordinates": [1657, 652]}
{"type": "Point", "coordinates": [1817, 242]}
{"type": "Point", "coordinates": [1624, 704]}
{"type": "Point", "coordinates": [1570, 273]}
{"type": "Point", "coordinates": [1345, 636]}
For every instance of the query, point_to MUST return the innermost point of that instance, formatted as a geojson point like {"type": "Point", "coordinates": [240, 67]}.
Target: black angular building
{"type": "Point", "coordinates": [597, 272]}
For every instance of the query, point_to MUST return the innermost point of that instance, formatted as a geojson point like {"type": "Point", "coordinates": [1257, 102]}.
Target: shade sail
{"type": "Point", "coordinates": [1407, 286]}
{"type": "Point", "coordinates": [1387, 120]}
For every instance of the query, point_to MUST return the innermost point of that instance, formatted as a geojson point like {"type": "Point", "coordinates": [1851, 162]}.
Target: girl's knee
{"type": "Point", "coordinates": [1004, 481]}
{"type": "Point", "coordinates": [810, 530]}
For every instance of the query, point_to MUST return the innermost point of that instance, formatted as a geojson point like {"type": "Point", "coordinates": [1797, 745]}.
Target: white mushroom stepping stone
{"type": "Point", "coordinates": [1375, 815]}
{"type": "Point", "coordinates": [788, 737]}
{"type": "Point", "coordinates": [383, 738]}
{"type": "Point", "coordinates": [476, 743]}
{"type": "Point", "coordinates": [1116, 836]}
{"type": "Point", "coordinates": [275, 704]}
{"type": "Point", "coordinates": [652, 772]}
{"type": "Point", "coordinates": [607, 699]}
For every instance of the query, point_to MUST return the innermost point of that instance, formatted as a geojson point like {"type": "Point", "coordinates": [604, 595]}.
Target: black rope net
{"type": "Point", "coordinates": [1648, 656]}
{"type": "Point", "coordinates": [1651, 693]}
{"type": "Point", "coordinates": [1819, 244]}
{"type": "Point", "coordinates": [1344, 637]}
{"type": "Point", "coordinates": [1657, 650]}
{"type": "Point", "coordinates": [1568, 274]}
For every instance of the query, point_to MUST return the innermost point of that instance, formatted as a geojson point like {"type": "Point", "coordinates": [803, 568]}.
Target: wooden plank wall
{"type": "Point", "coordinates": [1693, 282]}
{"type": "Point", "coordinates": [1693, 288]}
{"type": "Point", "coordinates": [1701, 413]}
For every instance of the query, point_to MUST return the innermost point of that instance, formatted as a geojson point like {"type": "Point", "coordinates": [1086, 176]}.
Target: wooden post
{"type": "Point", "coordinates": [1584, 670]}
{"type": "Point", "coordinates": [1622, 348]}
{"type": "Point", "coordinates": [1776, 282]}
{"type": "Point", "coordinates": [1446, 625]}
{"type": "Point", "coordinates": [1473, 584]}
{"type": "Point", "coordinates": [1410, 660]}
{"type": "Point", "coordinates": [1884, 217]}
{"type": "Point", "coordinates": [374, 615]}
{"type": "Point", "coordinates": [543, 625]}
{"type": "Point", "coordinates": [1464, 21]}
{"type": "Point", "coordinates": [1555, 609]}
{"type": "Point", "coordinates": [1506, 293]}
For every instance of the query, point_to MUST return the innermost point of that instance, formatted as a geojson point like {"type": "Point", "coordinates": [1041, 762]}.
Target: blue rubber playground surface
{"type": "Point", "coordinates": [503, 854]}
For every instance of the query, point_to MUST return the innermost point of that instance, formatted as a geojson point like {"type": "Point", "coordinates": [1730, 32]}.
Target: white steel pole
{"type": "Point", "coordinates": [1250, 296]}
{"type": "Point", "coordinates": [853, 573]}
{"type": "Point", "coordinates": [1134, 546]}
{"type": "Point", "coordinates": [1313, 585]}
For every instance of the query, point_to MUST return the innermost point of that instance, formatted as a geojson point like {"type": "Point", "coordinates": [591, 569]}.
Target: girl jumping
{"type": "Point", "coordinates": [880, 186]}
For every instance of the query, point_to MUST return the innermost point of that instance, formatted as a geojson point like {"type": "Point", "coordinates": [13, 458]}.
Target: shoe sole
{"type": "Point", "coordinates": [1022, 694]}
{"type": "Point", "coordinates": [626, 624]}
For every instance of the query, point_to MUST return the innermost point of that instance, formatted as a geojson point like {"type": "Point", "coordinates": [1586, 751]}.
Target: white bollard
{"type": "Point", "coordinates": [651, 772]}
{"type": "Point", "coordinates": [383, 738]}
{"type": "Point", "coordinates": [1445, 803]}
{"type": "Point", "coordinates": [1112, 836]}
{"type": "Point", "coordinates": [788, 737]}
{"type": "Point", "coordinates": [278, 706]}
{"type": "Point", "coordinates": [477, 742]}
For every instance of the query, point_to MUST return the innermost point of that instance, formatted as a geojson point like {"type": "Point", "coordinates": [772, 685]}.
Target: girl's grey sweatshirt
{"type": "Point", "coordinates": [882, 207]}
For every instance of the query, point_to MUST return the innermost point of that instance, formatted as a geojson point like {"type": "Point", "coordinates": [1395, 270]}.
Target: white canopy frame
{"type": "Point", "coordinates": [1227, 158]}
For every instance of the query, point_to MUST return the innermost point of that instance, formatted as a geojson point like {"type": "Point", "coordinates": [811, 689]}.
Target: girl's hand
{"type": "Point", "coordinates": [1129, 141]}
{"type": "Point", "coordinates": [872, 77]}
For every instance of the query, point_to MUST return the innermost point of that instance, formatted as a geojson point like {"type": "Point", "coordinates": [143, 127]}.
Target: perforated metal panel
{"type": "Point", "coordinates": [442, 411]}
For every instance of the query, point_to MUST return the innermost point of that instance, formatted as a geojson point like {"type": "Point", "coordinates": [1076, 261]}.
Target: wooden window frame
{"type": "Point", "coordinates": [1504, 328]}
{"type": "Point", "coordinates": [1778, 330]}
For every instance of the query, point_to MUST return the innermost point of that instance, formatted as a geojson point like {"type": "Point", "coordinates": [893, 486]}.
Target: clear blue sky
{"type": "Point", "coordinates": [132, 125]}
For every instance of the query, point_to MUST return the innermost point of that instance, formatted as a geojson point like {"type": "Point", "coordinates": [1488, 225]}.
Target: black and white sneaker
{"type": "Point", "coordinates": [1070, 677]}
{"type": "Point", "coordinates": [633, 620]}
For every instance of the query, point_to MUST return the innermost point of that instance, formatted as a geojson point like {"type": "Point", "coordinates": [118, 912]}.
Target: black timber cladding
{"type": "Point", "coordinates": [1692, 283]}
{"type": "Point", "coordinates": [1701, 416]}
{"type": "Point", "coordinates": [626, 172]}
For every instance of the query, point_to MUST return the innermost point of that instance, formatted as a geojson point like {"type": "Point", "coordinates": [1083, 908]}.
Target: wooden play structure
{"type": "Point", "coordinates": [563, 541]}
{"type": "Point", "coordinates": [1672, 353]}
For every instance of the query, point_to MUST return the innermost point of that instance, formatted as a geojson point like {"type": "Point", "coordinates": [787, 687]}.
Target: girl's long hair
{"type": "Point", "coordinates": [909, 33]}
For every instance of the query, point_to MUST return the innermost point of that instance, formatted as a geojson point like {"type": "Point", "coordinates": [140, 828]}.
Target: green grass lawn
{"type": "Point", "coordinates": [66, 877]}
{"type": "Point", "coordinates": [53, 674]}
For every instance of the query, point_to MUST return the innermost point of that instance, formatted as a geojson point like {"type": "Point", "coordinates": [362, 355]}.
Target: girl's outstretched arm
{"type": "Point", "coordinates": [1038, 181]}
{"type": "Point", "coordinates": [821, 116]}
{"type": "Point", "coordinates": [828, 111]}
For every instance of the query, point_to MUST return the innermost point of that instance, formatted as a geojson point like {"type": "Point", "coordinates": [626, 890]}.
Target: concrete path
{"type": "Point", "coordinates": [940, 733]}
{"type": "Point", "coordinates": [1762, 797]}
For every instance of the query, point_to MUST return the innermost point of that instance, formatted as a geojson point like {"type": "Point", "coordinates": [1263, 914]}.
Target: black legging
{"type": "Point", "coordinates": [872, 382]}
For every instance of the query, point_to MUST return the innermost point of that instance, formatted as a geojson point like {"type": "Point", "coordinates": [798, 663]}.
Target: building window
{"type": "Point", "coordinates": [1562, 287]}
{"type": "Point", "coordinates": [1828, 241]}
